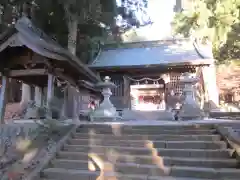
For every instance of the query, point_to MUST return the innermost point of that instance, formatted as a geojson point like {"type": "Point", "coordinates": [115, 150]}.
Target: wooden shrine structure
{"type": "Point", "coordinates": [29, 55]}
{"type": "Point", "coordinates": [147, 73]}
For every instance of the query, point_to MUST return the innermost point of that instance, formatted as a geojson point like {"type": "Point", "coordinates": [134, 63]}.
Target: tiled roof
{"type": "Point", "coordinates": [164, 53]}
{"type": "Point", "coordinates": [26, 33]}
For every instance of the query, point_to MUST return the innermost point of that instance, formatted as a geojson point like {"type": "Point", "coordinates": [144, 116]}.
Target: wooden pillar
{"type": "Point", "coordinates": [3, 97]}
{"type": "Point", "coordinates": [38, 97]}
{"type": "Point", "coordinates": [76, 105]}
{"type": "Point", "coordinates": [50, 94]}
{"type": "Point", "coordinates": [127, 96]}
{"type": "Point", "coordinates": [64, 113]}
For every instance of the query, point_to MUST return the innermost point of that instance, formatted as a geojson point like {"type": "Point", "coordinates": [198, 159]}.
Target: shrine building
{"type": "Point", "coordinates": [147, 73]}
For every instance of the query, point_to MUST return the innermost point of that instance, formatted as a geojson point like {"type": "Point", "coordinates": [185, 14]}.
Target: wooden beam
{"type": "Point", "coordinates": [65, 77]}
{"type": "Point", "coordinates": [27, 57]}
{"type": "Point", "coordinates": [27, 72]}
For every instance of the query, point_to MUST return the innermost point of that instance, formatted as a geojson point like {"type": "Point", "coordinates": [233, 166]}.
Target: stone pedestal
{"type": "Point", "coordinates": [35, 108]}
{"type": "Point", "coordinates": [32, 111]}
{"type": "Point", "coordinates": [190, 108]}
{"type": "Point", "coordinates": [160, 115]}
{"type": "Point", "coordinates": [105, 111]}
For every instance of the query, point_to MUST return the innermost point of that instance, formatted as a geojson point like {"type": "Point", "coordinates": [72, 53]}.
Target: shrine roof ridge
{"type": "Point", "coordinates": [141, 44]}
{"type": "Point", "coordinates": [153, 53]}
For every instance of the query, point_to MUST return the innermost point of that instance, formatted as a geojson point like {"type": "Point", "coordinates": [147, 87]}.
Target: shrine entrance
{"type": "Point", "coordinates": [148, 97]}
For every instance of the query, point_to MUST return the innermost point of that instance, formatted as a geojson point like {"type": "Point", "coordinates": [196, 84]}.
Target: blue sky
{"type": "Point", "coordinates": [154, 16]}
{"type": "Point", "coordinates": [145, 11]}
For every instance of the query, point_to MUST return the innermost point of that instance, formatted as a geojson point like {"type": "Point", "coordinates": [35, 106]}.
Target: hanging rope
{"type": "Point", "coordinates": [62, 84]}
{"type": "Point", "coordinates": [143, 79]}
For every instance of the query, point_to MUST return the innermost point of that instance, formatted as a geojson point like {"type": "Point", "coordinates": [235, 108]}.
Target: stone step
{"type": "Point", "coordinates": [165, 137]}
{"type": "Point", "coordinates": [132, 177]}
{"type": "Point", "coordinates": [148, 127]}
{"type": "Point", "coordinates": [151, 144]}
{"type": "Point", "coordinates": [201, 153]}
{"type": "Point", "coordinates": [58, 173]}
{"type": "Point", "coordinates": [82, 162]}
{"type": "Point", "coordinates": [118, 132]}
{"type": "Point", "coordinates": [147, 170]}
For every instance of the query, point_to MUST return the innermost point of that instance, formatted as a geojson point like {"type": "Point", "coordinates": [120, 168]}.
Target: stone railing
{"type": "Point", "coordinates": [10, 136]}
{"type": "Point", "coordinates": [231, 134]}
{"type": "Point", "coordinates": [32, 110]}
{"type": "Point", "coordinates": [225, 115]}
{"type": "Point", "coordinates": [16, 144]}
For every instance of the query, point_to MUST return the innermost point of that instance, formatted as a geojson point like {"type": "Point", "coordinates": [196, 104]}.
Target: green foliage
{"type": "Point", "coordinates": [216, 20]}
{"type": "Point", "coordinates": [53, 16]}
{"type": "Point", "coordinates": [184, 23]}
{"type": "Point", "coordinates": [82, 10]}
{"type": "Point", "coordinates": [49, 16]}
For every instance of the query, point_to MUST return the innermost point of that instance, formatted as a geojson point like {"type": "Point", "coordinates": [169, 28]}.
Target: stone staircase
{"type": "Point", "coordinates": [144, 153]}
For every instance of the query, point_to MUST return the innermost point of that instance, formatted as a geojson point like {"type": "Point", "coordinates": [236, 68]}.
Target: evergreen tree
{"type": "Point", "coordinates": [59, 19]}
{"type": "Point", "coordinates": [213, 20]}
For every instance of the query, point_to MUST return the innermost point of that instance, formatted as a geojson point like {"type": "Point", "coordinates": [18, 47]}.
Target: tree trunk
{"type": "Point", "coordinates": [27, 10]}
{"type": "Point", "coordinates": [71, 107]}
{"type": "Point", "coordinates": [72, 35]}
{"type": "Point", "coordinates": [1, 14]}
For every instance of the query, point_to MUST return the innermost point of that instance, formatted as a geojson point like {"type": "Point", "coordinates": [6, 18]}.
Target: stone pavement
{"type": "Point", "coordinates": [148, 122]}
{"type": "Point", "coordinates": [177, 123]}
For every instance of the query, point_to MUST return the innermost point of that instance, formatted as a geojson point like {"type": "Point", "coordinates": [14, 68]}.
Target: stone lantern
{"type": "Point", "coordinates": [106, 110]}
{"type": "Point", "coordinates": [190, 108]}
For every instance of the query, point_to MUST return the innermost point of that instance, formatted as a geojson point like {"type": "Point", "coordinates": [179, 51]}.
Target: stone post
{"type": "Point", "coordinates": [210, 86]}
{"type": "Point", "coordinates": [38, 96]}
{"type": "Point", "coordinates": [3, 97]}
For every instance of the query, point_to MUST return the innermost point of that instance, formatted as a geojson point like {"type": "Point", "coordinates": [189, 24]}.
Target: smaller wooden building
{"type": "Point", "coordinates": [30, 56]}
{"type": "Point", "coordinates": [147, 73]}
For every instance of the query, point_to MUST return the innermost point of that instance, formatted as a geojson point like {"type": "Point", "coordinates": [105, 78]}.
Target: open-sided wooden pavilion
{"type": "Point", "coordinates": [29, 55]}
